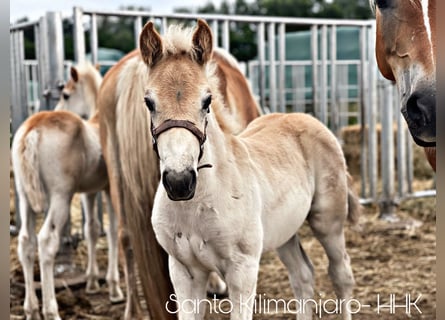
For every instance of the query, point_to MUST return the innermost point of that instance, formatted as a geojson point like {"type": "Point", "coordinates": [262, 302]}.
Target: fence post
{"type": "Point", "coordinates": [79, 35]}
{"type": "Point", "coordinates": [272, 69]}
{"type": "Point", "coordinates": [261, 66]}
{"type": "Point", "coordinates": [387, 203]}
{"type": "Point", "coordinates": [314, 56]}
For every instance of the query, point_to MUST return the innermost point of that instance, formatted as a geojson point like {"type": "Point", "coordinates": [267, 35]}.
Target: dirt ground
{"type": "Point", "coordinates": [389, 260]}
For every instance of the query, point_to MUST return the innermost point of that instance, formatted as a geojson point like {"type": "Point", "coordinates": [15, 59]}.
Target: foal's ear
{"type": "Point", "coordinates": [202, 42]}
{"type": "Point", "coordinates": [150, 44]}
{"type": "Point", "coordinates": [74, 74]}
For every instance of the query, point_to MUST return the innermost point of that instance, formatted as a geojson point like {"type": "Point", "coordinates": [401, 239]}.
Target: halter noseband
{"type": "Point", "coordinates": [185, 124]}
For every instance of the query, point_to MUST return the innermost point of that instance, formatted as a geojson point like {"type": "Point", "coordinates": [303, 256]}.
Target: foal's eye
{"type": "Point", "coordinates": [206, 103]}
{"type": "Point", "coordinates": [149, 103]}
{"type": "Point", "coordinates": [66, 96]}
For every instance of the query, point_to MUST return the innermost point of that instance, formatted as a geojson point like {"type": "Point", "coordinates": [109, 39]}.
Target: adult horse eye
{"type": "Point", "coordinates": [382, 4]}
{"type": "Point", "coordinates": [149, 103]}
{"type": "Point", "coordinates": [206, 103]}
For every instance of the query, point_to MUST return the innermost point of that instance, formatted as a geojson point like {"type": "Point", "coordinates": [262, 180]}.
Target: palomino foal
{"type": "Point", "coordinates": [54, 155]}
{"type": "Point", "coordinates": [225, 199]}
{"type": "Point", "coordinates": [406, 53]}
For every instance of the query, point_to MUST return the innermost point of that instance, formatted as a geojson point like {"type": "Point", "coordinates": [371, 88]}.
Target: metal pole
{"type": "Point", "coordinates": [137, 30]}
{"type": "Point", "coordinates": [262, 67]}
{"type": "Point", "coordinates": [387, 203]}
{"type": "Point", "coordinates": [215, 32]}
{"type": "Point", "coordinates": [226, 35]}
{"type": "Point", "coordinates": [364, 129]}
{"type": "Point", "coordinates": [281, 66]}
{"type": "Point", "coordinates": [55, 55]}
{"type": "Point", "coordinates": [272, 70]}
{"type": "Point", "coordinates": [94, 43]}
{"type": "Point", "coordinates": [314, 54]}
{"type": "Point", "coordinates": [335, 117]}
{"type": "Point", "coordinates": [324, 76]}
{"type": "Point", "coordinates": [372, 116]}
{"type": "Point", "coordinates": [79, 35]}
{"type": "Point", "coordinates": [42, 59]}
{"type": "Point", "coordinates": [401, 148]}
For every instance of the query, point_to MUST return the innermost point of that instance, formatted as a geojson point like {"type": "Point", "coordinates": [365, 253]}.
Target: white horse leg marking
{"type": "Point", "coordinates": [427, 23]}
{"type": "Point", "coordinates": [91, 230]}
{"type": "Point", "coordinates": [116, 294]}
{"type": "Point", "coordinates": [49, 238]}
{"type": "Point", "coordinates": [188, 290]}
{"type": "Point", "coordinates": [301, 274]}
{"type": "Point", "coordinates": [26, 251]}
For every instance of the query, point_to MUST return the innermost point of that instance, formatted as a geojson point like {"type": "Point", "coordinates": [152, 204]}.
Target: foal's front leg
{"type": "Point", "coordinates": [190, 291]}
{"type": "Point", "coordinates": [241, 279]}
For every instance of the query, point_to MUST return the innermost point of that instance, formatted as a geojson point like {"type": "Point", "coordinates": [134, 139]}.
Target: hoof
{"type": "Point", "coordinates": [34, 315]}
{"type": "Point", "coordinates": [92, 287]}
{"type": "Point", "coordinates": [116, 296]}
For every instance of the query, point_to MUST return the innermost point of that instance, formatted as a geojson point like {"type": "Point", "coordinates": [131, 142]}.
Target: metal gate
{"type": "Point", "coordinates": [377, 98]}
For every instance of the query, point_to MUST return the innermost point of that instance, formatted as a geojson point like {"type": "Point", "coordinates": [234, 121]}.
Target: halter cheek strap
{"type": "Point", "coordinates": [185, 124]}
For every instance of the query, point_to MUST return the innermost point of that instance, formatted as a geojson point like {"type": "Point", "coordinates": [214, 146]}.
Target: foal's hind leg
{"type": "Point", "coordinates": [301, 274]}
{"type": "Point", "coordinates": [116, 294]}
{"type": "Point", "coordinates": [92, 231]}
{"type": "Point", "coordinates": [26, 251]}
{"type": "Point", "coordinates": [327, 224]}
{"type": "Point", "coordinates": [49, 239]}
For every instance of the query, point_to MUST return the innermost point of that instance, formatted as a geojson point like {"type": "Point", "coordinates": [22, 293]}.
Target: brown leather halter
{"type": "Point", "coordinates": [185, 124]}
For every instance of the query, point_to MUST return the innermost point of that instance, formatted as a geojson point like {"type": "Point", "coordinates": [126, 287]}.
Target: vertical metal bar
{"type": "Point", "coordinates": [262, 66]}
{"type": "Point", "coordinates": [226, 35]}
{"type": "Point", "coordinates": [324, 76]}
{"type": "Point", "coordinates": [215, 33]}
{"type": "Point", "coordinates": [35, 90]}
{"type": "Point", "coordinates": [335, 117]}
{"type": "Point", "coordinates": [137, 30]}
{"type": "Point", "coordinates": [314, 55]}
{"type": "Point", "coordinates": [42, 60]}
{"type": "Point", "coordinates": [55, 54]}
{"type": "Point", "coordinates": [79, 35]}
{"type": "Point", "coordinates": [401, 148]}
{"type": "Point", "coordinates": [409, 162]}
{"type": "Point", "coordinates": [363, 112]}
{"type": "Point", "coordinates": [372, 115]}
{"type": "Point", "coordinates": [15, 120]}
{"type": "Point", "coordinates": [387, 204]}
{"type": "Point", "coordinates": [272, 70]}
{"type": "Point", "coordinates": [281, 64]}
{"type": "Point", "coordinates": [94, 43]}
{"type": "Point", "coordinates": [164, 25]}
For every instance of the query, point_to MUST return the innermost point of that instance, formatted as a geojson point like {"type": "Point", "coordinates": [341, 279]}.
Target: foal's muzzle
{"type": "Point", "coordinates": [420, 114]}
{"type": "Point", "coordinates": [180, 186]}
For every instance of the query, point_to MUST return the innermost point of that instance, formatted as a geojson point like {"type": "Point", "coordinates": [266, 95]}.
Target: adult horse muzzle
{"type": "Point", "coordinates": [180, 186]}
{"type": "Point", "coordinates": [419, 111]}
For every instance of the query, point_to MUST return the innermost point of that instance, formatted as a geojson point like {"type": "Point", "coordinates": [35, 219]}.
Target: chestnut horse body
{"type": "Point", "coordinates": [406, 54]}
{"type": "Point", "coordinates": [133, 167]}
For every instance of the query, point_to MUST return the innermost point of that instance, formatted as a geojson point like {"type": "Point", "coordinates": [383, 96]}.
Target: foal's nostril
{"type": "Point", "coordinates": [179, 185]}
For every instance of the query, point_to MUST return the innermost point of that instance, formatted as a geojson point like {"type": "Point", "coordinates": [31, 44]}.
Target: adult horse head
{"type": "Point", "coordinates": [406, 53]}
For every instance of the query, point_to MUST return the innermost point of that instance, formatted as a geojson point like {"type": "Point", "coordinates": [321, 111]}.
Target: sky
{"type": "Point", "coordinates": [34, 9]}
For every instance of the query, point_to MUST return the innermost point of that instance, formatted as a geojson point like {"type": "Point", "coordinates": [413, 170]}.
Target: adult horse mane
{"type": "Point", "coordinates": [406, 54]}
{"type": "Point", "coordinates": [133, 167]}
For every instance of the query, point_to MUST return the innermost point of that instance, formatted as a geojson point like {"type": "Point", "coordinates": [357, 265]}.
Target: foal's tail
{"type": "Point", "coordinates": [354, 207]}
{"type": "Point", "coordinates": [27, 162]}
